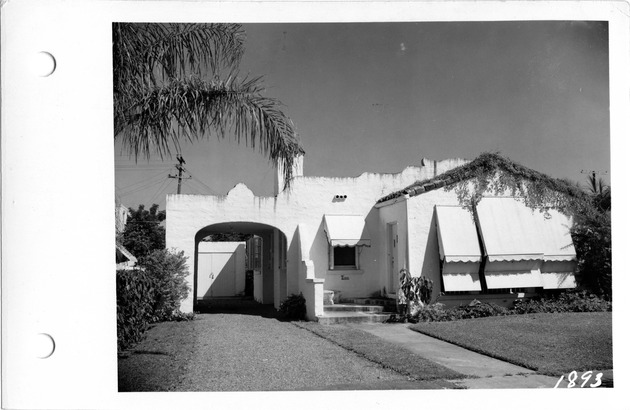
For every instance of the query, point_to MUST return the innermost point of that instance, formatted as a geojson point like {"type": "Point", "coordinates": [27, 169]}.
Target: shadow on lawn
{"type": "Point", "coordinates": [239, 306]}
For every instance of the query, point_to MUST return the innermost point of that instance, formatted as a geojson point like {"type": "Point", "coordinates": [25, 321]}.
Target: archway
{"type": "Point", "coordinates": [239, 264]}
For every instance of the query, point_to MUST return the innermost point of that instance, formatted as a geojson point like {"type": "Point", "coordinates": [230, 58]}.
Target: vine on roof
{"type": "Point", "coordinates": [493, 174]}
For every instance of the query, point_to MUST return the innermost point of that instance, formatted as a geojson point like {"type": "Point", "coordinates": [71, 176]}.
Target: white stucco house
{"type": "Point", "coordinates": [354, 235]}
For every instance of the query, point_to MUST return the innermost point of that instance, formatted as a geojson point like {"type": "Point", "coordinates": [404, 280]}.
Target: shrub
{"type": "Point", "coordinates": [591, 235]}
{"type": "Point", "coordinates": [150, 294]}
{"type": "Point", "coordinates": [134, 299]}
{"type": "Point", "coordinates": [479, 309]}
{"type": "Point", "coordinates": [570, 301]}
{"type": "Point", "coordinates": [294, 307]}
{"type": "Point", "coordinates": [168, 271]}
{"type": "Point", "coordinates": [415, 289]}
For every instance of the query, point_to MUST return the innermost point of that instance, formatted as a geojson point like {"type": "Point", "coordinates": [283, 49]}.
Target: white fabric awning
{"type": "Point", "coordinates": [457, 235]}
{"type": "Point", "coordinates": [346, 230]}
{"type": "Point", "coordinates": [513, 279]}
{"type": "Point", "coordinates": [558, 280]}
{"type": "Point", "coordinates": [555, 234]}
{"type": "Point", "coordinates": [459, 248]}
{"type": "Point", "coordinates": [509, 230]}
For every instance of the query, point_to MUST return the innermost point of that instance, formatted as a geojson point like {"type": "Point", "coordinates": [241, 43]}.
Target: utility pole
{"type": "Point", "coordinates": [180, 169]}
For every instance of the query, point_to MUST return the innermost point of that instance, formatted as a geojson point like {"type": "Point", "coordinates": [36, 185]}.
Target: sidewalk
{"type": "Point", "coordinates": [488, 373]}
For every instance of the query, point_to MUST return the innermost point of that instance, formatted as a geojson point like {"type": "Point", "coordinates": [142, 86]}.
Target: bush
{"type": "Point", "coordinates": [150, 294]}
{"type": "Point", "coordinates": [415, 289]}
{"type": "Point", "coordinates": [134, 299]}
{"type": "Point", "coordinates": [168, 271]}
{"type": "Point", "coordinates": [570, 301]}
{"type": "Point", "coordinates": [294, 307]}
{"type": "Point", "coordinates": [591, 236]}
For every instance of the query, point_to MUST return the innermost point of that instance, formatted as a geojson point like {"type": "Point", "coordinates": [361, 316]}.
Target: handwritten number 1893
{"type": "Point", "coordinates": [573, 377]}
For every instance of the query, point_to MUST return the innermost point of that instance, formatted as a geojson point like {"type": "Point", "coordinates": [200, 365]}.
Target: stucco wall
{"type": "Point", "coordinates": [306, 202]}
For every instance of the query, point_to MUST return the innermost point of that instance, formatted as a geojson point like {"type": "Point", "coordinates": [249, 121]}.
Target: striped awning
{"type": "Point", "coordinates": [459, 248]}
{"type": "Point", "coordinates": [346, 230]}
{"type": "Point", "coordinates": [457, 235]}
{"type": "Point", "coordinates": [525, 247]}
{"type": "Point", "coordinates": [509, 230]}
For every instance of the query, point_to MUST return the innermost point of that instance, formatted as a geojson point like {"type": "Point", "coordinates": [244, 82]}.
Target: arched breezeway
{"type": "Point", "coordinates": [254, 266]}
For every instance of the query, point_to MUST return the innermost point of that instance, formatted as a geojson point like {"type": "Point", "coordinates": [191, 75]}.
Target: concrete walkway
{"type": "Point", "coordinates": [488, 373]}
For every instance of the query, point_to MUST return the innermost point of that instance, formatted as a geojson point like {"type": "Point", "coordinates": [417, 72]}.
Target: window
{"type": "Point", "coordinates": [344, 257]}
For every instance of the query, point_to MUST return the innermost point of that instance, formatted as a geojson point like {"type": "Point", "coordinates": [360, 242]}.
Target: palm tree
{"type": "Point", "coordinates": [174, 81]}
{"type": "Point", "coordinates": [600, 192]}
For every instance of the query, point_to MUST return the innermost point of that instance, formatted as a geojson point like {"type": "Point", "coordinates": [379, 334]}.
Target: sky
{"type": "Point", "coordinates": [377, 97]}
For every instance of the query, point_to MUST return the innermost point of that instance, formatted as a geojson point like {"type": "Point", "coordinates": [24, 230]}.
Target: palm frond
{"type": "Point", "coordinates": [149, 54]}
{"type": "Point", "coordinates": [196, 108]}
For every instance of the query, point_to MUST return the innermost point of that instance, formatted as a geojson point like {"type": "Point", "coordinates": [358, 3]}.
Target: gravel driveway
{"type": "Point", "coordinates": [241, 352]}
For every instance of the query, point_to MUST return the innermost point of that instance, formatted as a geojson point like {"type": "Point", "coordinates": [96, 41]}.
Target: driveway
{"type": "Point", "coordinates": [246, 352]}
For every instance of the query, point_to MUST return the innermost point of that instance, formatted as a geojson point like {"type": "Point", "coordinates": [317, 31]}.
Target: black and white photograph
{"type": "Point", "coordinates": [314, 204]}
{"type": "Point", "coordinates": [363, 206]}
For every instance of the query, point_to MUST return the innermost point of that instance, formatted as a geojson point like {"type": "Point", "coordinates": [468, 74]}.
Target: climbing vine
{"type": "Point", "coordinates": [493, 174]}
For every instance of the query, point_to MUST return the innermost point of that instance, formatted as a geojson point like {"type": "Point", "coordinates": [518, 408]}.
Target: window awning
{"type": "Point", "coordinates": [509, 230]}
{"type": "Point", "coordinates": [459, 248]}
{"type": "Point", "coordinates": [346, 230]}
{"type": "Point", "coordinates": [555, 235]}
{"type": "Point", "coordinates": [558, 280]}
{"type": "Point", "coordinates": [457, 235]}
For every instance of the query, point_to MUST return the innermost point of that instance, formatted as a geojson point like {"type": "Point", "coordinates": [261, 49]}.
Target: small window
{"type": "Point", "coordinates": [344, 257]}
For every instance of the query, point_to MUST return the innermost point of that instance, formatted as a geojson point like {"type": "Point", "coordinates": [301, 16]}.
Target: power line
{"type": "Point", "coordinates": [140, 188]}
{"type": "Point", "coordinates": [141, 182]}
{"type": "Point", "coordinates": [200, 182]}
{"type": "Point", "coordinates": [154, 197]}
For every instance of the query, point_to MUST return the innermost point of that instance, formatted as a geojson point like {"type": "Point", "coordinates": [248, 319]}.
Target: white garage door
{"type": "Point", "coordinates": [216, 275]}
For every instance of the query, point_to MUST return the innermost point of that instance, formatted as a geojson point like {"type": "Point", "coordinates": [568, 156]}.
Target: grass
{"type": "Point", "coordinates": [549, 343]}
{"type": "Point", "coordinates": [384, 353]}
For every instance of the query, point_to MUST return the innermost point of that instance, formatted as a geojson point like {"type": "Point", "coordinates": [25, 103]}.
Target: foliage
{"type": "Point", "coordinates": [134, 296]}
{"type": "Point", "coordinates": [149, 294]}
{"type": "Point", "coordinates": [591, 235]}
{"type": "Point", "coordinates": [174, 81]}
{"type": "Point", "coordinates": [438, 313]}
{"type": "Point", "coordinates": [415, 289]}
{"type": "Point", "coordinates": [571, 301]}
{"type": "Point", "coordinates": [294, 307]}
{"type": "Point", "coordinates": [227, 237]}
{"type": "Point", "coordinates": [567, 301]}
{"type": "Point", "coordinates": [600, 193]}
{"type": "Point", "coordinates": [143, 232]}
{"type": "Point", "coordinates": [168, 272]}
{"type": "Point", "coordinates": [491, 172]}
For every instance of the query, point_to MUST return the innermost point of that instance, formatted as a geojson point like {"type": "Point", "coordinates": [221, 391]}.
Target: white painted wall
{"type": "Point", "coordinates": [306, 202]}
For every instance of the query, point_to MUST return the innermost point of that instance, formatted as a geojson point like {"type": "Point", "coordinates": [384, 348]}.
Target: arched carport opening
{"type": "Point", "coordinates": [239, 265]}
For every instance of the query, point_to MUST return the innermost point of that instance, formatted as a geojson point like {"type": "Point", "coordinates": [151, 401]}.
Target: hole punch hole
{"type": "Point", "coordinates": [44, 346]}
{"type": "Point", "coordinates": [44, 64]}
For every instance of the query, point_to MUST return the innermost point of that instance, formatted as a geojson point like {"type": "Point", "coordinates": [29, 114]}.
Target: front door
{"type": "Point", "coordinates": [392, 257]}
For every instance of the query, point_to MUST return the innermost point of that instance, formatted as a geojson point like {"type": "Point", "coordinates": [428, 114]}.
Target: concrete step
{"type": "Point", "coordinates": [353, 308]}
{"type": "Point", "coordinates": [335, 318]}
{"type": "Point", "coordinates": [388, 304]}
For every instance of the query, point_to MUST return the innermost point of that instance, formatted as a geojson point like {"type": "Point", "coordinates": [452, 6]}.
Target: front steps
{"type": "Point", "coordinates": [358, 311]}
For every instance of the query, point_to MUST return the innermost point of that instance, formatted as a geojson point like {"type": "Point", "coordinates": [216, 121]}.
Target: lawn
{"type": "Point", "coordinates": [382, 352]}
{"type": "Point", "coordinates": [550, 343]}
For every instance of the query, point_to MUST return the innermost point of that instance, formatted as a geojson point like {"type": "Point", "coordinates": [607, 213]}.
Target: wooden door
{"type": "Point", "coordinates": [216, 275]}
